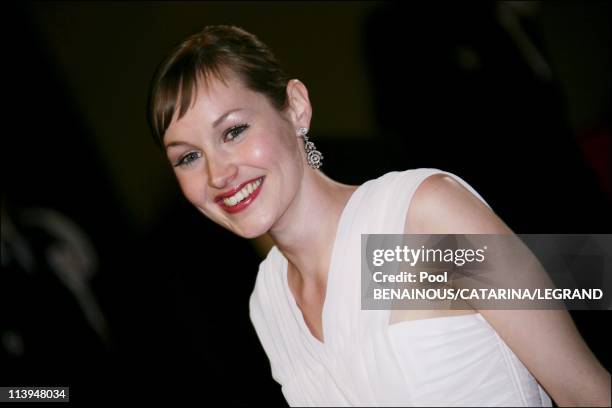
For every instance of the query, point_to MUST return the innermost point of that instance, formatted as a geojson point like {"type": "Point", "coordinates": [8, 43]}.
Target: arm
{"type": "Point", "coordinates": [554, 351]}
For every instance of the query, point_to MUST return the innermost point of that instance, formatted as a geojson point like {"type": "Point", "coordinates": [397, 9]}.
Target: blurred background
{"type": "Point", "coordinates": [114, 285]}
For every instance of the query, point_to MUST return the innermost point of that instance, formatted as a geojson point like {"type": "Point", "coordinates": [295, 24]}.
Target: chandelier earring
{"type": "Point", "coordinates": [314, 157]}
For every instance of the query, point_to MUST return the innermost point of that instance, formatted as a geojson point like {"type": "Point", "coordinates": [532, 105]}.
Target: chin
{"type": "Point", "coordinates": [253, 227]}
{"type": "Point", "coordinates": [252, 233]}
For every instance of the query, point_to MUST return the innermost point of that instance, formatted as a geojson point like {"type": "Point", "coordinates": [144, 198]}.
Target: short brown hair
{"type": "Point", "coordinates": [213, 50]}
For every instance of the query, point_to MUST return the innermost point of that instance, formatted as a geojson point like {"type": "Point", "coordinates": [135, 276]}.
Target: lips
{"type": "Point", "coordinates": [234, 190]}
{"type": "Point", "coordinates": [245, 203]}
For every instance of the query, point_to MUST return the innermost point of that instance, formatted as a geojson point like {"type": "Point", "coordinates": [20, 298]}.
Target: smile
{"type": "Point", "coordinates": [242, 198]}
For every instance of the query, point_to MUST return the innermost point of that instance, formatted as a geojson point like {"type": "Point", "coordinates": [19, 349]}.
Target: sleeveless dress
{"type": "Point", "coordinates": [443, 361]}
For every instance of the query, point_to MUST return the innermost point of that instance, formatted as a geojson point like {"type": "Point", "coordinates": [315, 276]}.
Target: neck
{"type": "Point", "coordinates": [307, 231]}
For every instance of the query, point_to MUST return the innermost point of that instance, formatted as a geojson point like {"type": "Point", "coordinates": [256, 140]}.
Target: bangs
{"type": "Point", "coordinates": [177, 87]}
{"type": "Point", "coordinates": [224, 53]}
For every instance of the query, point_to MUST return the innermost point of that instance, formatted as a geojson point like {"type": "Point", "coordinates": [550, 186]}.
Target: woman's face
{"type": "Point", "coordinates": [236, 158]}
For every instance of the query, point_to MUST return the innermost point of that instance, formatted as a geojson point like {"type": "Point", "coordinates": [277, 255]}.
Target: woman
{"type": "Point", "coordinates": [234, 128]}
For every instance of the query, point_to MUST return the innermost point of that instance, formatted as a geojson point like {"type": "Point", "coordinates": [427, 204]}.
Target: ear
{"type": "Point", "coordinates": [299, 109]}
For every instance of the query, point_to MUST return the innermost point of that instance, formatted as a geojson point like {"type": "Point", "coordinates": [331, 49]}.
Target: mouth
{"type": "Point", "coordinates": [240, 197]}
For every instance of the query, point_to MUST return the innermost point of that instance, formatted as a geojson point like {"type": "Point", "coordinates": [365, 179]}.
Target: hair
{"type": "Point", "coordinates": [214, 50]}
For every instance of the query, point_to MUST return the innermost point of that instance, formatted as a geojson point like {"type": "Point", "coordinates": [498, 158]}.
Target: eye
{"type": "Point", "coordinates": [234, 132]}
{"type": "Point", "coordinates": [188, 159]}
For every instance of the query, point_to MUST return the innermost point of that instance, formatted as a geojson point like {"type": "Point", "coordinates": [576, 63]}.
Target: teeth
{"type": "Point", "coordinates": [242, 194]}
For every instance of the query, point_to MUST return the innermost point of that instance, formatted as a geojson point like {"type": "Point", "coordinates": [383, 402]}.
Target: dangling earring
{"type": "Point", "coordinates": [314, 156]}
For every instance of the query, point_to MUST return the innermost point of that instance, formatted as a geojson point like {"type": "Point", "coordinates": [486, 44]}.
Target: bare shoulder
{"type": "Point", "coordinates": [442, 205]}
{"type": "Point", "coordinates": [554, 352]}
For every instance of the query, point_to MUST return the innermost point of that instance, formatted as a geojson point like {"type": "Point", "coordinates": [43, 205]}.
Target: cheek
{"type": "Point", "coordinates": [193, 188]}
{"type": "Point", "coordinates": [273, 150]}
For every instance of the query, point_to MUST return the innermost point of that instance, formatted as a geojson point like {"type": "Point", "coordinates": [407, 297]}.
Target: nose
{"type": "Point", "coordinates": [220, 172]}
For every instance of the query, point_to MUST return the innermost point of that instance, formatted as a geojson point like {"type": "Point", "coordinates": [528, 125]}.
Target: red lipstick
{"type": "Point", "coordinates": [242, 204]}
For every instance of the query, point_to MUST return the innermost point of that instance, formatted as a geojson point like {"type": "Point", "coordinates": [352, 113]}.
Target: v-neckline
{"type": "Point", "coordinates": [328, 288]}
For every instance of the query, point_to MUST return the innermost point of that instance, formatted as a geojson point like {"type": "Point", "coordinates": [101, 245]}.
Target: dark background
{"type": "Point", "coordinates": [512, 97]}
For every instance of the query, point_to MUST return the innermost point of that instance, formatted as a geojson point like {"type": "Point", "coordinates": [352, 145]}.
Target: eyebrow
{"type": "Point", "coordinates": [224, 116]}
{"type": "Point", "coordinates": [216, 123]}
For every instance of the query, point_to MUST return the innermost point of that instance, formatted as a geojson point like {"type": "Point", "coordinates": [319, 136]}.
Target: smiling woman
{"type": "Point", "coordinates": [233, 126]}
{"type": "Point", "coordinates": [219, 106]}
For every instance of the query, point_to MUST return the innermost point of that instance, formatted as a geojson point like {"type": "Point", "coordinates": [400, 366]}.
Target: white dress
{"type": "Point", "coordinates": [364, 361]}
